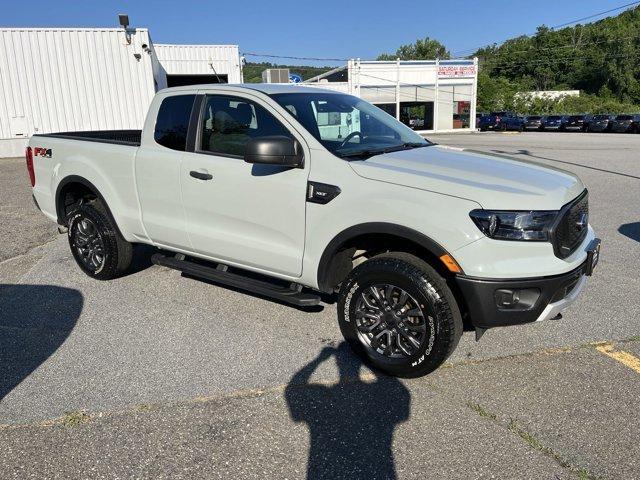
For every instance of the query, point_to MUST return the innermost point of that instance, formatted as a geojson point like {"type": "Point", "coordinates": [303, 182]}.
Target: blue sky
{"type": "Point", "coordinates": [323, 28]}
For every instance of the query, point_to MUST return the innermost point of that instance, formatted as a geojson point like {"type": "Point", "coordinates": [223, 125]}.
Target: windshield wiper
{"type": "Point", "coordinates": [362, 153]}
{"type": "Point", "coordinates": [379, 151]}
{"type": "Point", "coordinates": [407, 146]}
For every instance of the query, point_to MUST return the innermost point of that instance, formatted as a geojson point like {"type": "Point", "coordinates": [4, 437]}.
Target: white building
{"type": "Point", "coordinates": [73, 79]}
{"type": "Point", "coordinates": [427, 95]}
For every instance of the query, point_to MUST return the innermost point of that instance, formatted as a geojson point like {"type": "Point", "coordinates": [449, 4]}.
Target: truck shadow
{"type": "Point", "coordinates": [34, 321]}
{"type": "Point", "coordinates": [141, 258]}
{"type": "Point", "coordinates": [631, 230]}
{"type": "Point", "coordinates": [352, 422]}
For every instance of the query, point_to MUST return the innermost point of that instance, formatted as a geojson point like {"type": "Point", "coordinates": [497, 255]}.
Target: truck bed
{"type": "Point", "coordinates": [121, 137]}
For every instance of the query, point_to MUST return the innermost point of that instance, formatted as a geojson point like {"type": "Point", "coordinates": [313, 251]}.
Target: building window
{"type": "Point", "coordinates": [461, 112]}
{"type": "Point", "coordinates": [390, 108]}
{"type": "Point", "coordinates": [417, 115]}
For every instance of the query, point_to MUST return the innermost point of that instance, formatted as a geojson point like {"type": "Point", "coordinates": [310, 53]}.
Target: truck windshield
{"type": "Point", "coordinates": [348, 126]}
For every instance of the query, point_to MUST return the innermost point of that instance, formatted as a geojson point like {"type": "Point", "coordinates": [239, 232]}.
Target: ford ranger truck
{"type": "Point", "coordinates": [301, 194]}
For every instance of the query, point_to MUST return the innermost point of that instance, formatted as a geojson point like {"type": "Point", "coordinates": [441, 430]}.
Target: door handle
{"type": "Point", "coordinates": [200, 175]}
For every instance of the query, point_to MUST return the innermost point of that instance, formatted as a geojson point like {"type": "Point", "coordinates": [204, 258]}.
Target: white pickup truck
{"type": "Point", "coordinates": [291, 193]}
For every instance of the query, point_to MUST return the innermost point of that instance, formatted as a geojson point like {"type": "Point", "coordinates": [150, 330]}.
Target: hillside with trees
{"type": "Point", "coordinates": [602, 59]}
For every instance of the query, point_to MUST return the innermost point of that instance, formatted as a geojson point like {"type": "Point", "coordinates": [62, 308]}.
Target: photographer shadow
{"type": "Point", "coordinates": [351, 423]}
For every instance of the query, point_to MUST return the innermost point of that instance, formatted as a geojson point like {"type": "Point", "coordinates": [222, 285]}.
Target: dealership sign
{"type": "Point", "coordinates": [456, 70]}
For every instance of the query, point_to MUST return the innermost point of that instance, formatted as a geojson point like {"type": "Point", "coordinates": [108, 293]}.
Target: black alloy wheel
{"type": "Point", "coordinates": [95, 242]}
{"type": "Point", "coordinates": [391, 322]}
{"type": "Point", "coordinates": [88, 244]}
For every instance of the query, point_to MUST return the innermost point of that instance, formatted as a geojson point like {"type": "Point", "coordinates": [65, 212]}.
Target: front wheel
{"type": "Point", "coordinates": [96, 245]}
{"type": "Point", "coordinates": [398, 314]}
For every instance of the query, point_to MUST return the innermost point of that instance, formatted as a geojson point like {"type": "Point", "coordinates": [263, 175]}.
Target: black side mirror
{"type": "Point", "coordinates": [274, 150]}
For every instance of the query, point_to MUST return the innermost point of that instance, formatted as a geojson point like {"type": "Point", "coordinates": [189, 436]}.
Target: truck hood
{"type": "Point", "coordinates": [495, 182]}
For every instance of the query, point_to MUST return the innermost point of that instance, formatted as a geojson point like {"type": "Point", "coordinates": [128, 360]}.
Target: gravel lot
{"type": "Point", "coordinates": [156, 375]}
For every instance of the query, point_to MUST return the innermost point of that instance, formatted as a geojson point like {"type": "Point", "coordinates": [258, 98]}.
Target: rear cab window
{"type": "Point", "coordinates": [172, 122]}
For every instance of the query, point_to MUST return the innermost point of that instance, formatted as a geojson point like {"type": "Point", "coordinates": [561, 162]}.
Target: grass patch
{"type": "Point", "coordinates": [75, 418]}
{"type": "Point", "coordinates": [582, 472]}
{"type": "Point", "coordinates": [481, 411]}
{"type": "Point", "coordinates": [143, 407]}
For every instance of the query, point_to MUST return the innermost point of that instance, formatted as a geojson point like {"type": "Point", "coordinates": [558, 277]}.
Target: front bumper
{"type": "Point", "coordinates": [490, 302]}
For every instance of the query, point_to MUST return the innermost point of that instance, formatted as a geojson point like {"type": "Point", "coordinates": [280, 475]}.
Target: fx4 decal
{"type": "Point", "coordinates": [42, 152]}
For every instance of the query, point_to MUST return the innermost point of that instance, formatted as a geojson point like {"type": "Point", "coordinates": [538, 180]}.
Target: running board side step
{"type": "Point", "coordinates": [221, 274]}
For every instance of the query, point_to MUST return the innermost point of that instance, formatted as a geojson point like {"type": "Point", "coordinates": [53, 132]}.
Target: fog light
{"type": "Point", "coordinates": [506, 298]}
{"type": "Point", "coordinates": [516, 299]}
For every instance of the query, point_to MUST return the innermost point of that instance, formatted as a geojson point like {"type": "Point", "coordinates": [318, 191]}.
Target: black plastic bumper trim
{"type": "Point", "coordinates": [483, 311]}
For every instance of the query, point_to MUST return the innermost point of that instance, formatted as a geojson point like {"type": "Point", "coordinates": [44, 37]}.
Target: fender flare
{"type": "Point", "coordinates": [86, 183]}
{"type": "Point", "coordinates": [371, 228]}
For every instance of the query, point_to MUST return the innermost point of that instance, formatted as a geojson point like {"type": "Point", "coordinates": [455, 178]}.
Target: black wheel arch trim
{"type": "Point", "coordinates": [371, 228]}
{"type": "Point", "coordinates": [85, 183]}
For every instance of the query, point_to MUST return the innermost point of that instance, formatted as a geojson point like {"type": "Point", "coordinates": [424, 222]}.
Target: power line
{"type": "Point", "coordinates": [580, 45]}
{"type": "Point", "coordinates": [594, 15]}
{"type": "Point", "coordinates": [266, 55]}
{"type": "Point", "coordinates": [471, 50]}
{"type": "Point", "coordinates": [569, 58]}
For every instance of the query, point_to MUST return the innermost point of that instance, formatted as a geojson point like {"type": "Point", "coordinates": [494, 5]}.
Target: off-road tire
{"type": "Point", "coordinates": [424, 284]}
{"type": "Point", "coordinates": [117, 251]}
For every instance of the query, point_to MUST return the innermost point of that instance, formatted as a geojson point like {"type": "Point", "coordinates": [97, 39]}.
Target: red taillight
{"type": "Point", "coordinates": [32, 173]}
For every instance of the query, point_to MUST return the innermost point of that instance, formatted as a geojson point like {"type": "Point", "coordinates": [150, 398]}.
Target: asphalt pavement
{"type": "Point", "coordinates": [155, 375]}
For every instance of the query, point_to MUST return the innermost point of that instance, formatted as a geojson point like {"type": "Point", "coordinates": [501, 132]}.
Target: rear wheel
{"type": "Point", "coordinates": [399, 315]}
{"type": "Point", "coordinates": [96, 245]}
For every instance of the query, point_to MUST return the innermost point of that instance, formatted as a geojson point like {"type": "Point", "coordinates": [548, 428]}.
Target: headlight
{"type": "Point", "coordinates": [504, 225]}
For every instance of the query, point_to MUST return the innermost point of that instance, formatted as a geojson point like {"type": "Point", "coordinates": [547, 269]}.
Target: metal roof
{"type": "Point", "coordinates": [268, 88]}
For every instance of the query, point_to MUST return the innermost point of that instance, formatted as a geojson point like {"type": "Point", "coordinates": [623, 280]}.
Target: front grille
{"type": "Point", "coordinates": [571, 226]}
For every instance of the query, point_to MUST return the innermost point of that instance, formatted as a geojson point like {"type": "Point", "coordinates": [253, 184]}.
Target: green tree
{"type": "Point", "coordinates": [427, 49]}
{"type": "Point", "coordinates": [600, 58]}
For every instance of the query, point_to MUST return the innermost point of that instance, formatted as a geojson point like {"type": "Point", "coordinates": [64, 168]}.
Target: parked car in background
{"type": "Point", "coordinates": [553, 122]}
{"type": "Point", "coordinates": [501, 121]}
{"type": "Point", "coordinates": [532, 122]}
{"type": "Point", "coordinates": [577, 122]}
{"type": "Point", "coordinates": [601, 123]}
{"type": "Point", "coordinates": [626, 124]}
